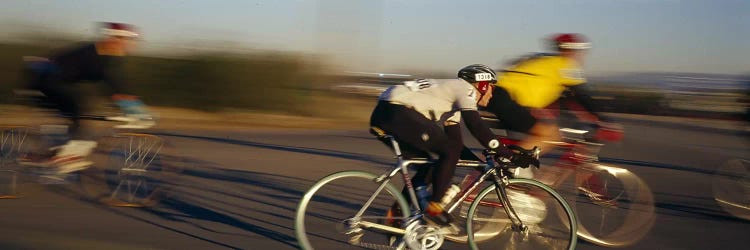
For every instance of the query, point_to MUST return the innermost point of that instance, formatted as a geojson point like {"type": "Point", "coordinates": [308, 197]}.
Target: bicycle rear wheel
{"type": "Point", "coordinates": [615, 207]}
{"type": "Point", "coordinates": [14, 142]}
{"type": "Point", "coordinates": [731, 187]}
{"type": "Point", "coordinates": [326, 215]}
{"type": "Point", "coordinates": [550, 221]}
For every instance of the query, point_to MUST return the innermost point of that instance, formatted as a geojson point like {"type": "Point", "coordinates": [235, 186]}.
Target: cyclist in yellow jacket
{"type": "Point", "coordinates": [523, 91]}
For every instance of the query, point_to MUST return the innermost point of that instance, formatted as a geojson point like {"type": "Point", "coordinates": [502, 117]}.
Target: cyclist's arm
{"type": "Point", "coordinates": [581, 95]}
{"type": "Point", "coordinates": [453, 131]}
{"type": "Point", "coordinates": [466, 103]}
{"type": "Point", "coordinates": [113, 79]}
{"type": "Point", "coordinates": [128, 103]}
{"type": "Point", "coordinates": [479, 129]}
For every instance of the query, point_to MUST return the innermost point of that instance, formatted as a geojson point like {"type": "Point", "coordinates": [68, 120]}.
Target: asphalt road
{"type": "Point", "coordinates": [239, 190]}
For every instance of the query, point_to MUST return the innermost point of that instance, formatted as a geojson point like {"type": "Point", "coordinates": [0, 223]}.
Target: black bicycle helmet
{"type": "Point", "coordinates": [477, 73]}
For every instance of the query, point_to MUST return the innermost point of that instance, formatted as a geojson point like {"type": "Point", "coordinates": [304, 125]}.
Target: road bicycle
{"type": "Point", "coordinates": [132, 168]}
{"type": "Point", "coordinates": [615, 207]}
{"type": "Point", "coordinates": [350, 207]}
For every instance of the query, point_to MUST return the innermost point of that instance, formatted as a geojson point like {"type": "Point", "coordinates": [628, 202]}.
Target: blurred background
{"type": "Point", "coordinates": [220, 73]}
{"type": "Point", "coordinates": [659, 57]}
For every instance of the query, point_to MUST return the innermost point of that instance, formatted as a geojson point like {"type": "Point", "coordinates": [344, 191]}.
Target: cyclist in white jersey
{"type": "Point", "coordinates": [424, 116]}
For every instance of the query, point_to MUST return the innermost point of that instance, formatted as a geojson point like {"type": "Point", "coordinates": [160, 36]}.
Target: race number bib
{"type": "Point", "coordinates": [480, 77]}
{"type": "Point", "coordinates": [418, 84]}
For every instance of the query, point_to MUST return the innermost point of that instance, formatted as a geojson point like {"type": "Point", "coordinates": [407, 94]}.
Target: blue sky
{"type": "Point", "coordinates": [705, 36]}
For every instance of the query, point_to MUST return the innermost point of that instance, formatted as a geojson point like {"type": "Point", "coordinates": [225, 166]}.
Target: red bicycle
{"type": "Point", "coordinates": [615, 207]}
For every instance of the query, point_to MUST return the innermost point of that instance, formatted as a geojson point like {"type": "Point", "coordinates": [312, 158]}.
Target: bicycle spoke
{"type": "Point", "coordinates": [543, 219]}
{"type": "Point", "coordinates": [135, 170]}
{"type": "Point", "coordinates": [619, 205]}
{"type": "Point", "coordinates": [327, 216]}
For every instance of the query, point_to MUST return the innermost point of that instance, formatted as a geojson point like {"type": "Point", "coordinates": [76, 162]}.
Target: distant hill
{"type": "Point", "coordinates": [676, 81]}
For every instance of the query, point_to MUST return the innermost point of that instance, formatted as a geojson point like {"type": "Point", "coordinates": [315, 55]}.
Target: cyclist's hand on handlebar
{"type": "Point", "coordinates": [609, 131]}
{"type": "Point", "coordinates": [516, 155]}
{"type": "Point", "coordinates": [500, 154]}
{"type": "Point", "coordinates": [130, 105]}
{"type": "Point", "coordinates": [524, 157]}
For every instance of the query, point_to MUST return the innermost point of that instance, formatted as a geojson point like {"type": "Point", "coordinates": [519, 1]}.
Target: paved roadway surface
{"type": "Point", "coordinates": [240, 189]}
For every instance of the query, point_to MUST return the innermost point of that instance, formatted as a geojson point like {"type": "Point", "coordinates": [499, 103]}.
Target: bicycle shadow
{"type": "Point", "coordinates": [292, 149]}
{"type": "Point", "coordinates": [228, 208]}
{"type": "Point", "coordinates": [706, 208]}
{"type": "Point", "coordinates": [245, 203]}
{"type": "Point", "coordinates": [241, 201]}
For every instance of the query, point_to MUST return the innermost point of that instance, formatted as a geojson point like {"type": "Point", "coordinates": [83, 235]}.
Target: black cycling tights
{"type": "Point", "coordinates": [417, 135]}
{"type": "Point", "coordinates": [61, 96]}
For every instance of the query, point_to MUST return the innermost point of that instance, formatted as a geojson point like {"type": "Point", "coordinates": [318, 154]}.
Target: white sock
{"type": "Point", "coordinates": [77, 148]}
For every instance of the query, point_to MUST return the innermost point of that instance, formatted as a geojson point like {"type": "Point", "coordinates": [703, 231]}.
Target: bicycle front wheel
{"type": "Point", "coordinates": [615, 207]}
{"type": "Point", "coordinates": [14, 142]}
{"type": "Point", "coordinates": [136, 169]}
{"type": "Point", "coordinates": [549, 221]}
{"type": "Point", "coordinates": [335, 212]}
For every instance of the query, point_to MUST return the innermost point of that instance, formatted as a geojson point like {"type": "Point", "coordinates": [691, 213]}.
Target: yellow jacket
{"type": "Point", "coordinates": [540, 80]}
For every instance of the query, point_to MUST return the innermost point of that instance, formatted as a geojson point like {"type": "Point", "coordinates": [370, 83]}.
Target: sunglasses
{"type": "Point", "coordinates": [483, 86]}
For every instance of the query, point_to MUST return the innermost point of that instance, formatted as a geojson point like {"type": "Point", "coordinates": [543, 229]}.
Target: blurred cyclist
{"type": "Point", "coordinates": [525, 90]}
{"type": "Point", "coordinates": [56, 76]}
{"type": "Point", "coordinates": [424, 116]}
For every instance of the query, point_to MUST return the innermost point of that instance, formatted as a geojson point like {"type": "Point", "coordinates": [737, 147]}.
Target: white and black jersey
{"type": "Point", "coordinates": [440, 100]}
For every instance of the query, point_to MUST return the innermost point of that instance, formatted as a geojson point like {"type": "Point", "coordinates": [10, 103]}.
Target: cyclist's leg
{"type": "Point", "coordinates": [412, 128]}
{"type": "Point", "coordinates": [60, 95]}
{"type": "Point", "coordinates": [520, 119]}
{"type": "Point", "coordinates": [540, 133]}
{"type": "Point", "coordinates": [72, 156]}
{"type": "Point", "coordinates": [422, 176]}
{"type": "Point", "coordinates": [450, 152]}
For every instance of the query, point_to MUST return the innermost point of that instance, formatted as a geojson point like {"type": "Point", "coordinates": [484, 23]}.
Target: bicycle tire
{"type": "Point", "coordinates": [622, 218]}
{"type": "Point", "coordinates": [531, 200]}
{"type": "Point", "coordinates": [337, 200]}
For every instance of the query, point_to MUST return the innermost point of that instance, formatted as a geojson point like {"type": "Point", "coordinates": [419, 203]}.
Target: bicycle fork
{"type": "Point", "coordinates": [500, 183]}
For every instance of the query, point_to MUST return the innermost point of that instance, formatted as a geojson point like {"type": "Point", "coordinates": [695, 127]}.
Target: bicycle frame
{"type": "Point", "coordinates": [139, 151]}
{"type": "Point", "coordinates": [577, 151]}
{"type": "Point", "coordinates": [489, 172]}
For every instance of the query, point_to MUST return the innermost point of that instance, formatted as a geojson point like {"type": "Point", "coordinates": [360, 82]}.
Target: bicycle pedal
{"type": "Point", "coordinates": [598, 199]}
{"type": "Point", "coordinates": [392, 240]}
{"type": "Point", "coordinates": [355, 238]}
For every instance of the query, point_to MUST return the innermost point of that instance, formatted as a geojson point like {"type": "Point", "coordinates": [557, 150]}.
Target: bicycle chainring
{"type": "Point", "coordinates": [420, 236]}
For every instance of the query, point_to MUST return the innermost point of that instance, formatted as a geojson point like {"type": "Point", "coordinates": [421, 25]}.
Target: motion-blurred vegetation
{"type": "Point", "coordinates": [270, 81]}
{"type": "Point", "coordinates": [257, 81]}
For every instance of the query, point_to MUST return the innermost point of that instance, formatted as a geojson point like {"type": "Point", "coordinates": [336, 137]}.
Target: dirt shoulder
{"type": "Point", "coordinates": [170, 118]}
{"type": "Point", "coordinates": [176, 118]}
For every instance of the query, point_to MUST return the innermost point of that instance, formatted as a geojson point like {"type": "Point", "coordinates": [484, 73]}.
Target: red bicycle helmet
{"type": "Point", "coordinates": [570, 41]}
{"type": "Point", "coordinates": [118, 29]}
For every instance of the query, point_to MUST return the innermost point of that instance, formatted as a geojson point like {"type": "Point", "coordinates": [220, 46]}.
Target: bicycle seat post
{"type": "Point", "coordinates": [402, 166]}
{"type": "Point", "coordinates": [396, 148]}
